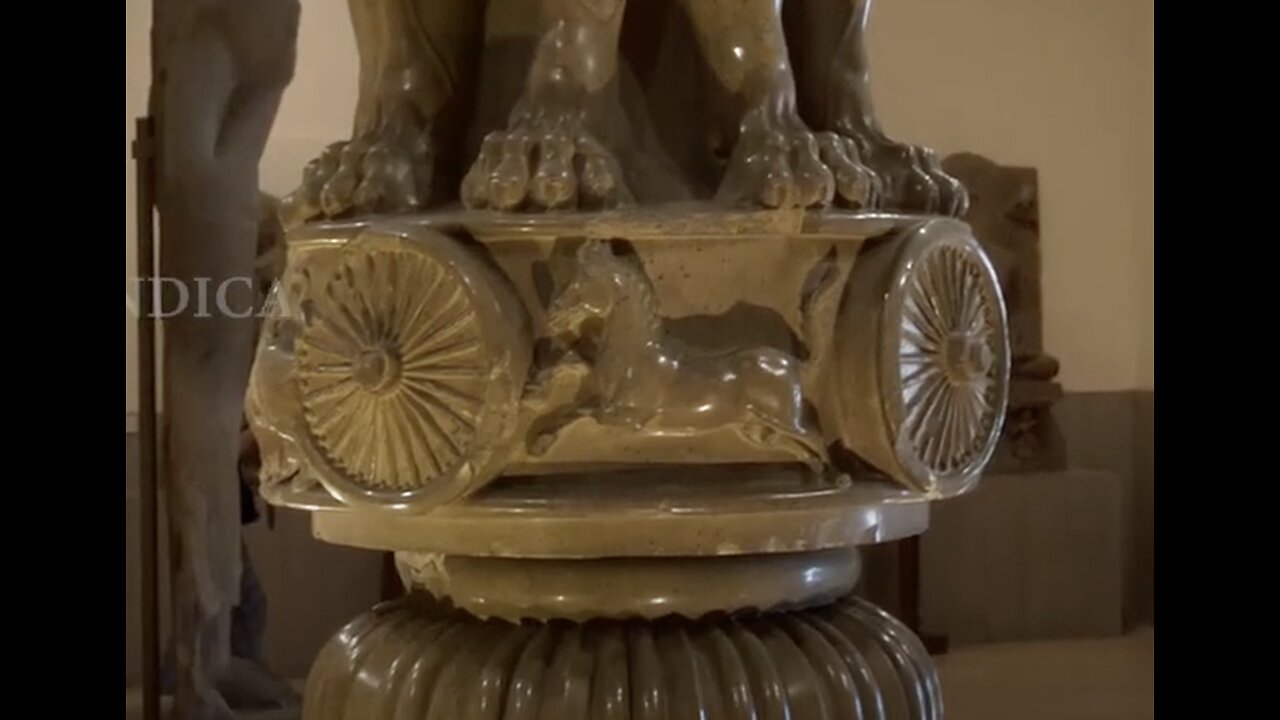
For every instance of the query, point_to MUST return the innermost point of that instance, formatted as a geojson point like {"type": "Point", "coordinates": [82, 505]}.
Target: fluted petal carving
{"type": "Point", "coordinates": [414, 659]}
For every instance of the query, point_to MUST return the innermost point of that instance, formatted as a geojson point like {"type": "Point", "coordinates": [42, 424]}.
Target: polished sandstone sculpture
{"type": "Point", "coordinates": [625, 450]}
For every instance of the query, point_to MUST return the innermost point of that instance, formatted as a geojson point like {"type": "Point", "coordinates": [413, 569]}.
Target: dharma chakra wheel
{"type": "Point", "coordinates": [925, 358]}
{"type": "Point", "coordinates": [406, 366]}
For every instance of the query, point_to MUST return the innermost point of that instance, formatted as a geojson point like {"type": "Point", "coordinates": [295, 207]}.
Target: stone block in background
{"type": "Point", "coordinates": [1029, 556]}
{"type": "Point", "coordinates": [1115, 431]}
{"type": "Point", "coordinates": [1004, 213]}
{"type": "Point", "coordinates": [1142, 609]}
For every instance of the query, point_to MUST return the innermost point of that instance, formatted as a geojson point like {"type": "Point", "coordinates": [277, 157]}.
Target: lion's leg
{"type": "Point", "coordinates": [776, 160]}
{"type": "Point", "coordinates": [547, 157]}
{"type": "Point", "coordinates": [416, 57]}
{"type": "Point", "coordinates": [912, 177]}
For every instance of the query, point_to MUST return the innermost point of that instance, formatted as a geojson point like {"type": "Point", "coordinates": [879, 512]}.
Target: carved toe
{"type": "Point", "coordinates": [600, 182]}
{"type": "Point", "coordinates": [856, 186]}
{"type": "Point", "coordinates": [509, 180]}
{"type": "Point", "coordinates": [776, 182]}
{"type": "Point", "coordinates": [910, 177]}
{"type": "Point", "coordinates": [387, 169]}
{"type": "Point", "coordinates": [555, 171]}
{"type": "Point", "coordinates": [778, 168]}
{"type": "Point", "coordinates": [554, 185]}
{"type": "Point", "coordinates": [388, 184]}
{"type": "Point", "coordinates": [814, 183]}
{"type": "Point", "coordinates": [953, 197]}
{"type": "Point", "coordinates": [337, 196]}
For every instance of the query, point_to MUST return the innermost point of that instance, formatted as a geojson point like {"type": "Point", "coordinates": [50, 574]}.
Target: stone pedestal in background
{"type": "Point", "coordinates": [1005, 214]}
{"type": "Point", "coordinates": [1033, 556]}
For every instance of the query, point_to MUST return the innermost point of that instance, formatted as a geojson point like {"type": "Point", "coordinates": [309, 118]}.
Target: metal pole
{"type": "Point", "coordinates": [146, 153]}
{"type": "Point", "coordinates": [144, 157]}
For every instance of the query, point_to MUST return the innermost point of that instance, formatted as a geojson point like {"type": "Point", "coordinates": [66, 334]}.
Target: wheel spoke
{"type": "Point", "coordinates": [948, 414]}
{"type": "Point", "coordinates": [390, 376]}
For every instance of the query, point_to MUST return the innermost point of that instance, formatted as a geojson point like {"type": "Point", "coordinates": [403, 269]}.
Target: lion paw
{"type": "Point", "coordinates": [857, 186]}
{"type": "Point", "coordinates": [784, 165]}
{"type": "Point", "coordinates": [384, 171]}
{"type": "Point", "coordinates": [912, 177]}
{"type": "Point", "coordinates": [555, 170]}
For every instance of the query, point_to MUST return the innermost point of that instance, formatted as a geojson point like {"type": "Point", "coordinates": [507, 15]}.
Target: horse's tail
{"type": "Point", "coordinates": [819, 304]}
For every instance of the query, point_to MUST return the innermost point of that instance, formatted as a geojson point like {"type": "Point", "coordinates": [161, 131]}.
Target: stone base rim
{"type": "Point", "coordinates": [632, 588]}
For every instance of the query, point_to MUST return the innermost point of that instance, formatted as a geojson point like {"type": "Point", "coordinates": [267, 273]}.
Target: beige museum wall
{"type": "Point", "coordinates": [1066, 86]}
{"type": "Point", "coordinates": [136, 69]}
{"type": "Point", "coordinates": [1145, 203]}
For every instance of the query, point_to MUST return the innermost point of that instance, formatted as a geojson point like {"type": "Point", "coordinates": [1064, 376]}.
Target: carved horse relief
{"type": "Point", "coordinates": [643, 379]}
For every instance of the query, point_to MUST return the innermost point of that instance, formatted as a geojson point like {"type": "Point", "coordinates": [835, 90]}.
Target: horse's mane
{"type": "Point", "coordinates": [630, 274]}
